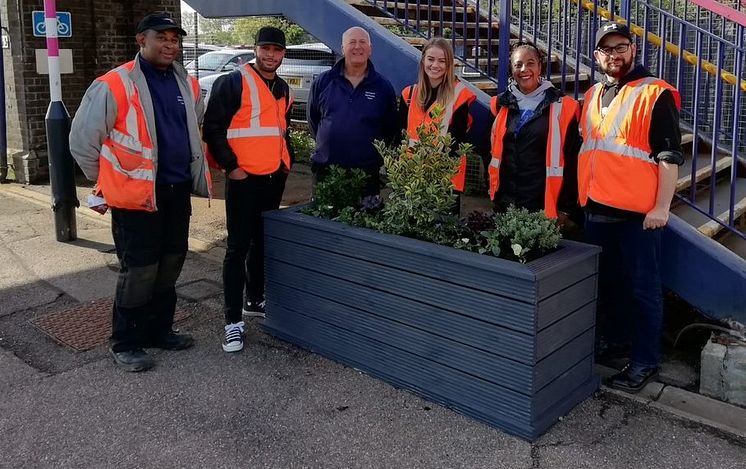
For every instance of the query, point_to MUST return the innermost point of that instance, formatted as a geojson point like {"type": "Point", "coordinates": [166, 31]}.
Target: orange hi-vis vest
{"type": "Point", "coordinates": [416, 117]}
{"type": "Point", "coordinates": [614, 165]}
{"type": "Point", "coordinates": [257, 132]}
{"type": "Point", "coordinates": [127, 161]}
{"type": "Point", "coordinates": [561, 114]}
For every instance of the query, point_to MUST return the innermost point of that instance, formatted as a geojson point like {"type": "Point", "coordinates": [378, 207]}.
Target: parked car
{"type": "Point", "coordinates": [219, 61]}
{"type": "Point", "coordinates": [301, 65]}
{"type": "Point", "coordinates": [189, 52]}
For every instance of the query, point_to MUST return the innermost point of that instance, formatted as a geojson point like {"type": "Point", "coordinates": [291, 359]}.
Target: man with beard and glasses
{"type": "Point", "coordinates": [627, 172]}
{"type": "Point", "coordinates": [246, 130]}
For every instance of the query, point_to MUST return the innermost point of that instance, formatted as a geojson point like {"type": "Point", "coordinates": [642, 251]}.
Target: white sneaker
{"type": "Point", "coordinates": [233, 341]}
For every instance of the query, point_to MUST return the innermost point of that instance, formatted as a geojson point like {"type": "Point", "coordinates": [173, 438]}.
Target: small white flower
{"type": "Point", "coordinates": [517, 249]}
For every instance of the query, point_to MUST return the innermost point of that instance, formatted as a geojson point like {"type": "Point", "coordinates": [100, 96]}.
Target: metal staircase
{"type": "Point", "coordinates": [711, 191]}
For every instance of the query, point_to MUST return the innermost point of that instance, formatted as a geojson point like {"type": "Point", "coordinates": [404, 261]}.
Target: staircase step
{"type": "Point", "coordinates": [734, 243]}
{"type": "Point", "coordinates": [711, 228]}
{"type": "Point", "coordinates": [705, 225]}
{"type": "Point", "coordinates": [412, 6]}
{"type": "Point", "coordinates": [704, 170]}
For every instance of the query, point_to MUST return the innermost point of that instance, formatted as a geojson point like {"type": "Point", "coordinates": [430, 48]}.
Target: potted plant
{"type": "Point", "coordinates": [508, 342]}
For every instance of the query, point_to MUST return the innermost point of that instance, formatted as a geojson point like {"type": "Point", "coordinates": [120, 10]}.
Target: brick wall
{"type": "Point", "coordinates": [103, 37]}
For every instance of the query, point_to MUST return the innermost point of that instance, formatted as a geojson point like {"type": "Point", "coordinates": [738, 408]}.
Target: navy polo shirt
{"type": "Point", "coordinates": [174, 151]}
{"type": "Point", "coordinates": [345, 120]}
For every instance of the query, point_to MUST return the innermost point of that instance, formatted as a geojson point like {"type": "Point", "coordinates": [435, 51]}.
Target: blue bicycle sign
{"type": "Point", "coordinates": [64, 24]}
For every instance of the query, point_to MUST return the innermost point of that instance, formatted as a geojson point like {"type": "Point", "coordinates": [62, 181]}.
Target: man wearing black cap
{"type": "Point", "coordinates": [627, 172]}
{"type": "Point", "coordinates": [136, 133]}
{"type": "Point", "coordinates": [246, 130]}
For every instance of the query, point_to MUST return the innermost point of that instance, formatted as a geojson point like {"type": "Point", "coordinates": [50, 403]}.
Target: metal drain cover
{"type": "Point", "coordinates": [84, 326]}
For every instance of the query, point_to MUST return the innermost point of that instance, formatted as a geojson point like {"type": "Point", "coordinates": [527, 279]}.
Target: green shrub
{"type": "Point", "coordinates": [303, 145]}
{"type": "Point", "coordinates": [527, 234]}
{"type": "Point", "coordinates": [421, 203]}
{"type": "Point", "coordinates": [340, 188]}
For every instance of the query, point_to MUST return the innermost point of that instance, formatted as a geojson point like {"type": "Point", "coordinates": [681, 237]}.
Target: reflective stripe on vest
{"type": "Point", "coordinates": [561, 114]}
{"type": "Point", "coordinates": [416, 117]}
{"type": "Point", "coordinates": [615, 167]}
{"type": "Point", "coordinates": [257, 131]}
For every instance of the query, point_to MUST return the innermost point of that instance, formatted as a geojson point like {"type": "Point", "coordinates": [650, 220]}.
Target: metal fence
{"type": "Point", "coordinates": [696, 45]}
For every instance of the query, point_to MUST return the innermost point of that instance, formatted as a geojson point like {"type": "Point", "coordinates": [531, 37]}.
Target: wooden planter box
{"type": "Point", "coordinates": [506, 343]}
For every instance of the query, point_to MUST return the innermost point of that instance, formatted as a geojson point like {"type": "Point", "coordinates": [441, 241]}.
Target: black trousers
{"type": "Point", "coordinates": [243, 266]}
{"type": "Point", "coordinates": [151, 247]}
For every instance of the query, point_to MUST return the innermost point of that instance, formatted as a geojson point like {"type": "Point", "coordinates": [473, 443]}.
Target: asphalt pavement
{"type": "Point", "coordinates": [273, 405]}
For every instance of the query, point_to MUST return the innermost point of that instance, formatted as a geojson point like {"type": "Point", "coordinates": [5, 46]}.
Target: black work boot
{"type": "Point", "coordinates": [172, 341]}
{"type": "Point", "coordinates": [132, 360]}
{"type": "Point", "coordinates": [632, 378]}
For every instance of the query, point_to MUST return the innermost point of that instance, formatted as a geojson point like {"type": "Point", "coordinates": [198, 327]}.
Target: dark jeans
{"type": "Point", "coordinates": [151, 247]}
{"type": "Point", "coordinates": [245, 200]}
{"type": "Point", "coordinates": [630, 307]}
{"type": "Point", "coordinates": [372, 184]}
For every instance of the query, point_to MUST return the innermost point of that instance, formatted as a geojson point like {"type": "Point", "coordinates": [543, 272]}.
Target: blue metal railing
{"type": "Point", "coordinates": [696, 45]}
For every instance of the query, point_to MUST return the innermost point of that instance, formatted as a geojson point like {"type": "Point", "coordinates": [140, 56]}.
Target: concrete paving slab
{"type": "Point", "coordinates": [703, 409]}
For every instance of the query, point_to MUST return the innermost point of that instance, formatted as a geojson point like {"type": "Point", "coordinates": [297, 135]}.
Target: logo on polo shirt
{"type": "Point", "coordinates": [370, 95]}
{"type": "Point", "coordinates": [180, 99]}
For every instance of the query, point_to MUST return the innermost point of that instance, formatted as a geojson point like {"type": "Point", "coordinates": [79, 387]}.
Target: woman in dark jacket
{"type": "Point", "coordinates": [534, 141]}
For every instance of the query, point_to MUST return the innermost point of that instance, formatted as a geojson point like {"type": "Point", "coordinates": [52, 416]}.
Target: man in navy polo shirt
{"type": "Point", "coordinates": [349, 107]}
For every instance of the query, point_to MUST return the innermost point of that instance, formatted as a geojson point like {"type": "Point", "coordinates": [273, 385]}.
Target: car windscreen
{"type": "Point", "coordinates": [308, 57]}
{"type": "Point", "coordinates": [210, 61]}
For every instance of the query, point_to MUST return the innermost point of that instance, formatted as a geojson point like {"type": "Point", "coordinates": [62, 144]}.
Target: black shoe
{"type": "Point", "coordinates": [172, 341]}
{"type": "Point", "coordinates": [254, 308]}
{"type": "Point", "coordinates": [632, 378]}
{"type": "Point", "coordinates": [132, 360]}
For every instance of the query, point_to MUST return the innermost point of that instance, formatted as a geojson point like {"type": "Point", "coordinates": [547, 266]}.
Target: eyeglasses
{"type": "Point", "coordinates": [619, 49]}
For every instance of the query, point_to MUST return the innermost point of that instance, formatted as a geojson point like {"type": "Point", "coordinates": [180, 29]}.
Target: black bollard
{"type": "Point", "coordinates": [61, 172]}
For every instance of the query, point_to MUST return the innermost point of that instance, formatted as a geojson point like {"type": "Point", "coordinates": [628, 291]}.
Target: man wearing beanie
{"type": "Point", "coordinates": [246, 130]}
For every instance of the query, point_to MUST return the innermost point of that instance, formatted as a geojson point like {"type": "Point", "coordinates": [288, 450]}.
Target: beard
{"type": "Point", "coordinates": [618, 71]}
{"type": "Point", "coordinates": [260, 65]}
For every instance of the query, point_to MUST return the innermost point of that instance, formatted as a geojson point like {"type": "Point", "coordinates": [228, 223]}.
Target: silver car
{"type": "Point", "coordinates": [301, 65]}
{"type": "Point", "coordinates": [219, 62]}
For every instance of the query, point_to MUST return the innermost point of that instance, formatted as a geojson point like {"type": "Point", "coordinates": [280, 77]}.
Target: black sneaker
{"type": "Point", "coordinates": [254, 309]}
{"type": "Point", "coordinates": [132, 360]}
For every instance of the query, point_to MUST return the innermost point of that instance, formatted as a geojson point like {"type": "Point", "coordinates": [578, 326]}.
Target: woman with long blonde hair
{"type": "Point", "coordinates": [437, 85]}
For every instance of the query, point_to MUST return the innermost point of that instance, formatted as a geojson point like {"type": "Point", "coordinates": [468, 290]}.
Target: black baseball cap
{"type": "Point", "coordinates": [612, 28]}
{"type": "Point", "coordinates": [159, 22]}
{"type": "Point", "coordinates": [270, 35]}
